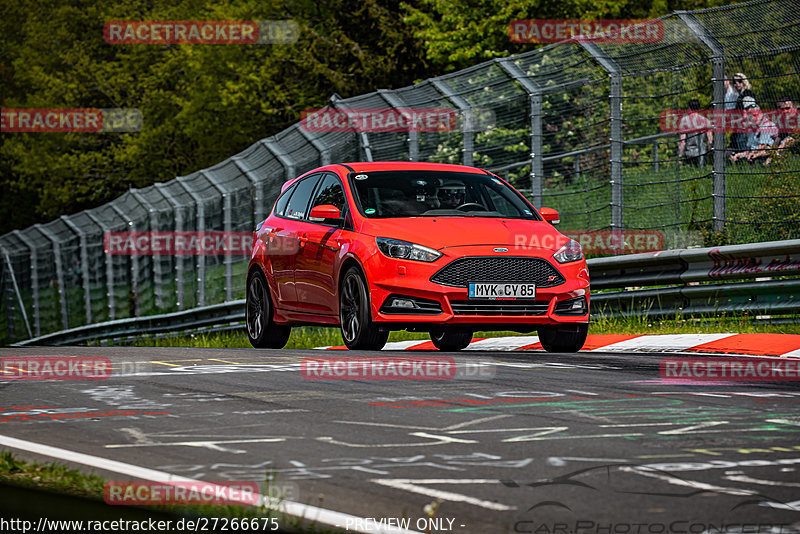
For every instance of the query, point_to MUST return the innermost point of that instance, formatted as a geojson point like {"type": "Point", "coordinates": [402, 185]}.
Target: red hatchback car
{"type": "Point", "coordinates": [446, 249]}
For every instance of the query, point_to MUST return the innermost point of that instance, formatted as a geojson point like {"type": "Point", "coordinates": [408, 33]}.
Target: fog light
{"type": "Point", "coordinates": [403, 303]}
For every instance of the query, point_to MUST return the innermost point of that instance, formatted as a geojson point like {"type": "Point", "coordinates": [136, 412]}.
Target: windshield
{"type": "Point", "coordinates": [385, 194]}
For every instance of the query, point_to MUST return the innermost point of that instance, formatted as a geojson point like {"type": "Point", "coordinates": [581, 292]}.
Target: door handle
{"type": "Point", "coordinates": [303, 238]}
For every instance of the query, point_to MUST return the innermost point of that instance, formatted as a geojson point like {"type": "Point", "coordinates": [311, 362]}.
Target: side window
{"type": "Point", "coordinates": [501, 204]}
{"type": "Point", "coordinates": [298, 203]}
{"type": "Point", "coordinates": [330, 192]}
{"type": "Point", "coordinates": [280, 205]}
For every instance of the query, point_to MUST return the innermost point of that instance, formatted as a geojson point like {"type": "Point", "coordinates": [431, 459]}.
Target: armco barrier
{"type": "Point", "coordinates": [685, 279]}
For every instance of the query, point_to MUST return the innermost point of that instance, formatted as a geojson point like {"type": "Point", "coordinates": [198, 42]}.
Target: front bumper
{"type": "Point", "coordinates": [389, 277]}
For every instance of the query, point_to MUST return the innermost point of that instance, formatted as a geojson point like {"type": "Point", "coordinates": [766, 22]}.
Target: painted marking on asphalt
{"type": "Point", "coordinates": [224, 361]}
{"type": "Point", "coordinates": [174, 365]}
{"type": "Point", "coordinates": [749, 480]}
{"type": "Point", "coordinates": [308, 512]}
{"type": "Point", "coordinates": [560, 461]}
{"type": "Point", "coordinates": [661, 343]}
{"type": "Point", "coordinates": [214, 445]}
{"type": "Point", "coordinates": [538, 437]}
{"type": "Point", "coordinates": [688, 483]}
{"type": "Point", "coordinates": [416, 486]}
{"type": "Point", "coordinates": [439, 440]}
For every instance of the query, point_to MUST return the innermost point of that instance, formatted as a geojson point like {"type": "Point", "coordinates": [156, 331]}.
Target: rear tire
{"type": "Point", "coordinates": [261, 329]}
{"type": "Point", "coordinates": [450, 339]}
{"type": "Point", "coordinates": [358, 330]}
{"type": "Point", "coordinates": [567, 338]}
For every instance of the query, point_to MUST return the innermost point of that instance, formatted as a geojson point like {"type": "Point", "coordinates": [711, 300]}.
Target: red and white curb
{"type": "Point", "coordinates": [783, 345]}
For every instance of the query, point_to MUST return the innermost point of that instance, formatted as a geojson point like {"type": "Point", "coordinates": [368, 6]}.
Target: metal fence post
{"type": "Point", "coordinates": [227, 207]}
{"type": "Point", "coordinates": [37, 326]}
{"type": "Point", "coordinates": [258, 189]}
{"type": "Point", "coordinates": [466, 112]}
{"type": "Point", "coordinates": [363, 138]}
{"type": "Point", "coordinates": [157, 274]}
{"type": "Point", "coordinates": [134, 267]}
{"type": "Point", "coordinates": [615, 137]}
{"type": "Point", "coordinates": [19, 295]}
{"type": "Point", "coordinates": [109, 261]}
{"type": "Point", "coordinates": [62, 294]}
{"type": "Point", "coordinates": [179, 222]}
{"type": "Point", "coordinates": [87, 293]}
{"type": "Point", "coordinates": [287, 162]}
{"type": "Point", "coordinates": [313, 138]}
{"type": "Point", "coordinates": [201, 227]}
{"type": "Point", "coordinates": [718, 90]}
{"type": "Point", "coordinates": [413, 136]}
{"type": "Point", "coordinates": [535, 99]}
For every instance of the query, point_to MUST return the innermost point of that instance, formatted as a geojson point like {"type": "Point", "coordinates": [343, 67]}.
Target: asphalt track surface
{"type": "Point", "coordinates": [531, 442]}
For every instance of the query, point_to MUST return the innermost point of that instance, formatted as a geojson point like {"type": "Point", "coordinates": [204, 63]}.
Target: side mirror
{"type": "Point", "coordinates": [550, 215]}
{"type": "Point", "coordinates": [323, 212]}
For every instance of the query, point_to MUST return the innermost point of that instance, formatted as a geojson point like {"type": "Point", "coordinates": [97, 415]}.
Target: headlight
{"type": "Point", "coordinates": [570, 252]}
{"type": "Point", "coordinates": [394, 248]}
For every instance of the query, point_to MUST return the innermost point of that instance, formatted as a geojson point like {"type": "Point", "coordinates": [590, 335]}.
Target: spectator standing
{"type": "Point", "coordinates": [695, 138]}
{"type": "Point", "coordinates": [742, 86]}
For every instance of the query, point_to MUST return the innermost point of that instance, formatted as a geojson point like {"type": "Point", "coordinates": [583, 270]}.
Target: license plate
{"type": "Point", "coordinates": [501, 291]}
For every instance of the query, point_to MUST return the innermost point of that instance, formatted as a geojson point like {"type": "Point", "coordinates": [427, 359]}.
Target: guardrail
{"type": "Point", "coordinates": [223, 316]}
{"type": "Point", "coordinates": [687, 281]}
{"type": "Point", "coordinates": [699, 281]}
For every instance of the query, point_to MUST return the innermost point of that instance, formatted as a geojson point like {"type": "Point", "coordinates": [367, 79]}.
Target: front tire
{"type": "Point", "coordinates": [358, 330]}
{"type": "Point", "coordinates": [261, 330]}
{"type": "Point", "coordinates": [567, 338]}
{"type": "Point", "coordinates": [450, 340]}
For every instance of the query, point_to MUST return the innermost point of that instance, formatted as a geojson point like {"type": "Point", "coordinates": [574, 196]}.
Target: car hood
{"type": "Point", "coordinates": [444, 232]}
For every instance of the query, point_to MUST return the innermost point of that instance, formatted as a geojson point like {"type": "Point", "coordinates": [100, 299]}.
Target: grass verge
{"type": "Point", "coordinates": [308, 337]}
{"type": "Point", "coordinates": [53, 478]}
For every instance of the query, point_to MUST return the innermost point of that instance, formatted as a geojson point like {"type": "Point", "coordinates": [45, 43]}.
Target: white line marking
{"type": "Point", "coordinates": [749, 480]}
{"type": "Point", "coordinates": [413, 485]}
{"type": "Point", "coordinates": [503, 343]}
{"type": "Point", "coordinates": [312, 513]}
{"type": "Point", "coordinates": [688, 483]}
{"type": "Point", "coordinates": [662, 343]}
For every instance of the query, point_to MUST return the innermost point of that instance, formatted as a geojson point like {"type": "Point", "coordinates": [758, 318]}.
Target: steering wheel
{"type": "Point", "coordinates": [472, 206]}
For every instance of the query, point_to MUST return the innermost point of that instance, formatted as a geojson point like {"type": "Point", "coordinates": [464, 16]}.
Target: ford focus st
{"type": "Point", "coordinates": [444, 249]}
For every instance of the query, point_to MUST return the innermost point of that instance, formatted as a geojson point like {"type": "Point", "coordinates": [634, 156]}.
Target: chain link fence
{"type": "Point", "coordinates": [574, 125]}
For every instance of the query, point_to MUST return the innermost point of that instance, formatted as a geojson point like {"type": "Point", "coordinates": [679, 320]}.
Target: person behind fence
{"type": "Point", "coordinates": [758, 142]}
{"type": "Point", "coordinates": [731, 95]}
{"type": "Point", "coordinates": [695, 138]}
{"type": "Point", "coordinates": [787, 131]}
{"type": "Point", "coordinates": [742, 86]}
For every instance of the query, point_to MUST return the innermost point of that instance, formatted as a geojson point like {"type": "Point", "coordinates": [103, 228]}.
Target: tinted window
{"type": "Point", "coordinates": [384, 194]}
{"type": "Point", "coordinates": [280, 205]}
{"type": "Point", "coordinates": [298, 203]}
{"type": "Point", "coordinates": [330, 192]}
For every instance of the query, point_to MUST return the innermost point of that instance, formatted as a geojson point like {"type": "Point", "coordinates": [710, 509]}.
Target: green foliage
{"type": "Point", "coordinates": [201, 103]}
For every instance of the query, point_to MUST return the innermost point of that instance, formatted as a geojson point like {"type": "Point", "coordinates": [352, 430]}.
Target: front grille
{"type": "Point", "coordinates": [461, 272]}
{"type": "Point", "coordinates": [499, 307]}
